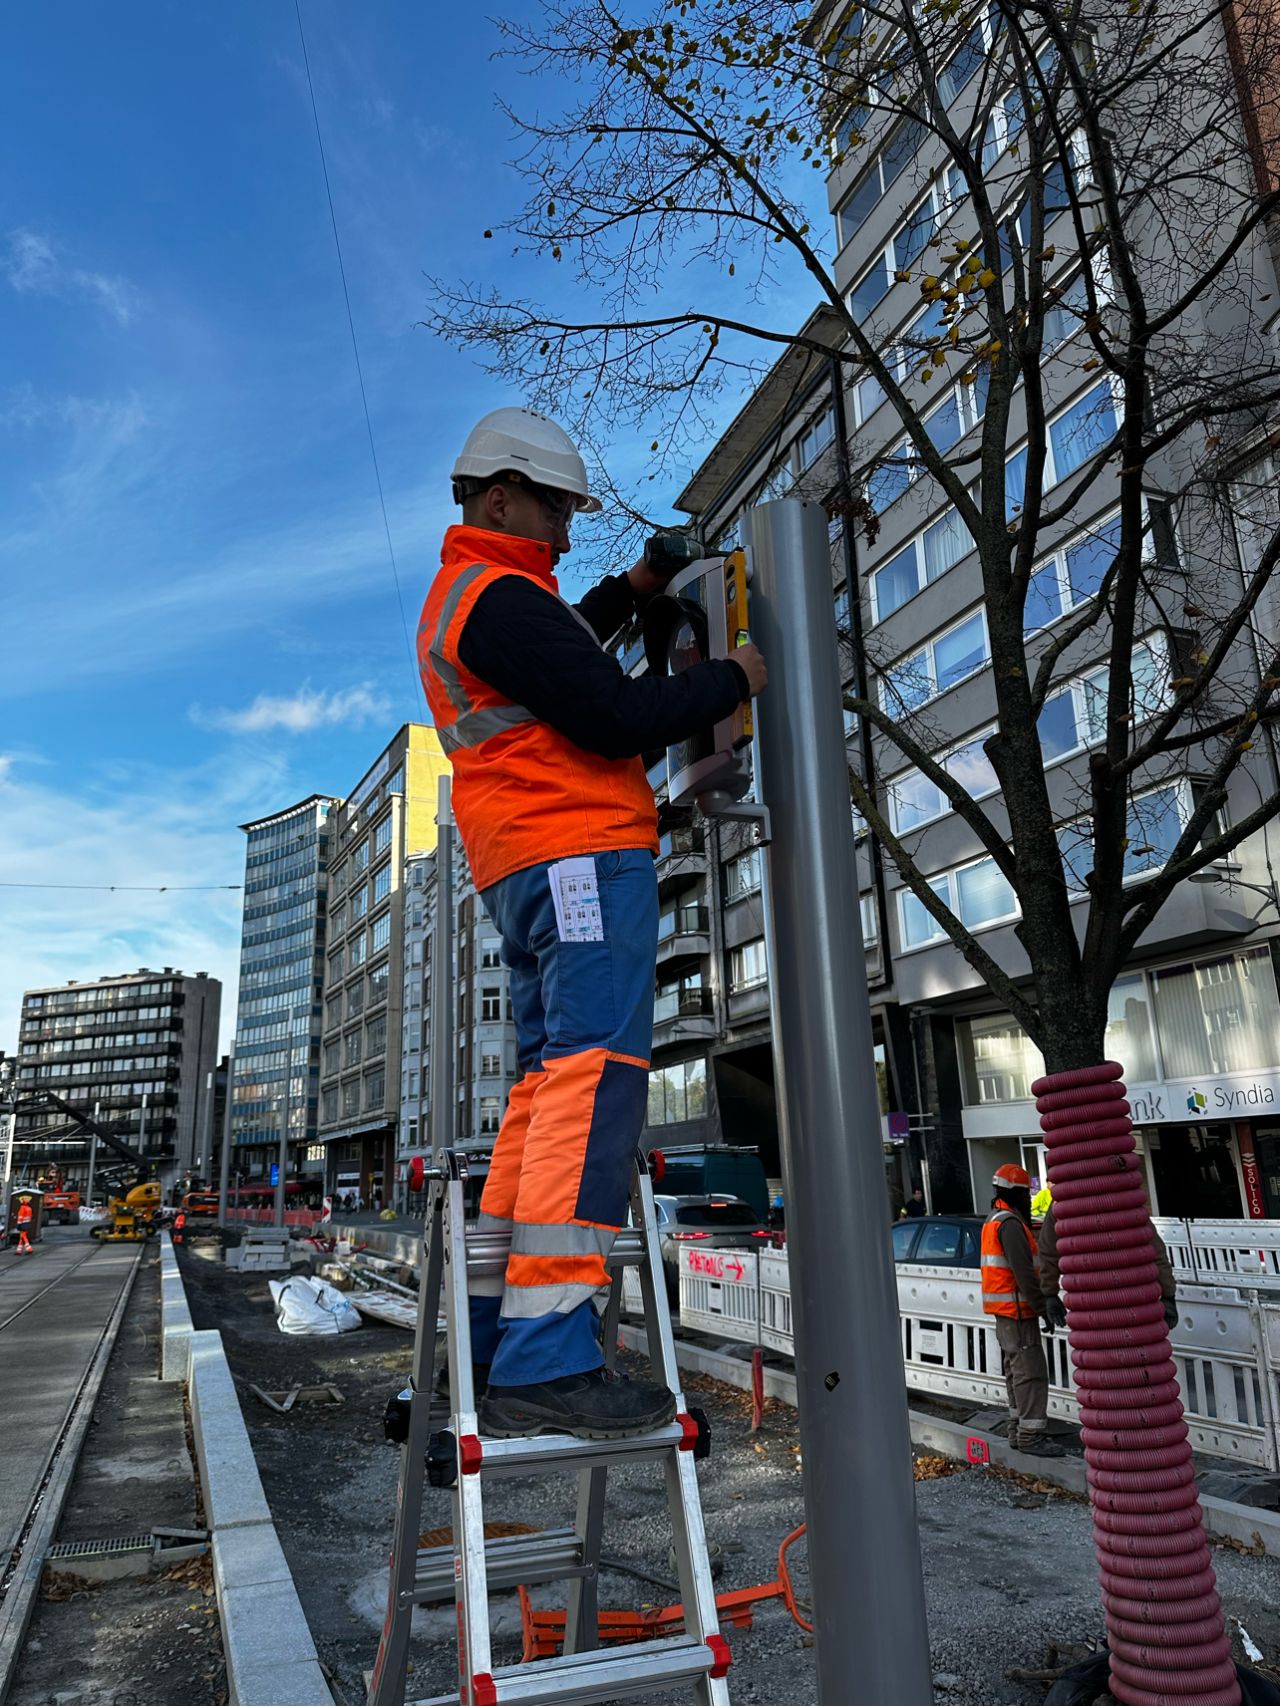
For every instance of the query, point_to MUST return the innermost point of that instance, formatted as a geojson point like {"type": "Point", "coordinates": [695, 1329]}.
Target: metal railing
{"type": "Point", "coordinates": [1226, 1345]}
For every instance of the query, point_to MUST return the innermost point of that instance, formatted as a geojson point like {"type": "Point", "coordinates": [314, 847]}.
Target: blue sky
{"type": "Point", "coordinates": [199, 621]}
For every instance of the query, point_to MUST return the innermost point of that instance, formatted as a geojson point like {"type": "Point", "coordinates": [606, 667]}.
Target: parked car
{"type": "Point", "coordinates": [710, 1222]}
{"type": "Point", "coordinates": [714, 1169]}
{"type": "Point", "coordinates": [939, 1241]}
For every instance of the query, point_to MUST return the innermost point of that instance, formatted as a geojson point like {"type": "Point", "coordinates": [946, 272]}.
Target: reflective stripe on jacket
{"type": "Point", "coordinates": [1001, 1292]}
{"type": "Point", "coordinates": [523, 793]}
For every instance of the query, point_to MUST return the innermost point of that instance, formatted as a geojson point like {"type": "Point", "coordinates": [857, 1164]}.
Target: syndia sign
{"type": "Point", "coordinates": [1242, 1096]}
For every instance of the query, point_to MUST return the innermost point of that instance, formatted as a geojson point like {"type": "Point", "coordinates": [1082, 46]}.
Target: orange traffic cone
{"type": "Point", "coordinates": [24, 1243]}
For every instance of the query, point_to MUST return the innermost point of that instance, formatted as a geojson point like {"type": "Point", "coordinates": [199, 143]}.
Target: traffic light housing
{"type": "Point", "coordinates": [703, 614]}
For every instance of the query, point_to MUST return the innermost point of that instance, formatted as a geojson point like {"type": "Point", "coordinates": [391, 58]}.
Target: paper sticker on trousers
{"type": "Point", "coordinates": [575, 895]}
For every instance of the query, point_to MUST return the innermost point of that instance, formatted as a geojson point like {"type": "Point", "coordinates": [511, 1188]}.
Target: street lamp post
{"type": "Point", "coordinates": [282, 1163]}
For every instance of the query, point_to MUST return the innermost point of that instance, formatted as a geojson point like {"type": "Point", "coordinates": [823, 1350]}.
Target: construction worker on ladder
{"type": "Point", "coordinates": [545, 732]}
{"type": "Point", "coordinates": [1011, 1292]}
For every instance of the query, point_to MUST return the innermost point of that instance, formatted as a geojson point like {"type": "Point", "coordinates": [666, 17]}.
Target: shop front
{"type": "Point", "coordinates": [1200, 1042]}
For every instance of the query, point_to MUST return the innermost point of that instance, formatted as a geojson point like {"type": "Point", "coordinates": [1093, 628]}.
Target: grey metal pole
{"type": "Point", "coordinates": [868, 1589]}
{"type": "Point", "coordinates": [224, 1159]}
{"type": "Point", "coordinates": [93, 1158]}
{"type": "Point", "coordinates": [6, 1166]}
{"type": "Point", "coordinates": [441, 1111]}
{"type": "Point", "coordinates": [206, 1150]}
{"type": "Point", "coordinates": [282, 1163]}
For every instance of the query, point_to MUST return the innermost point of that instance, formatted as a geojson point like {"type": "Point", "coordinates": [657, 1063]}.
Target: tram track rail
{"type": "Point", "coordinates": [22, 1566]}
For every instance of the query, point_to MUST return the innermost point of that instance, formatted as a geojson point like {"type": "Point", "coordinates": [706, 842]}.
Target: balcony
{"type": "Point", "coordinates": [682, 852]}
{"type": "Point", "coordinates": [683, 1013]}
{"type": "Point", "coordinates": [685, 930]}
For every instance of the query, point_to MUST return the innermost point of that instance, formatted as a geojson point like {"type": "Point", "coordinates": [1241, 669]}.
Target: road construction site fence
{"type": "Point", "coordinates": [1213, 1252]}
{"type": "Point", "coordinates": [1226, 1344]}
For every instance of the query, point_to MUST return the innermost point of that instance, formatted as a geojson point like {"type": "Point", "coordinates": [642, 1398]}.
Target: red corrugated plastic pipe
{"type": "Point", "coordinates": [1168, 1639]}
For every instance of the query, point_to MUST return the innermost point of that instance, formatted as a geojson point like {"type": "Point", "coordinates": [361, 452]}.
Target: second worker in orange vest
{"type": "Point", "coordinates": [545, 732]}
{"type": "Point", "coordinates": [1011, 1292]}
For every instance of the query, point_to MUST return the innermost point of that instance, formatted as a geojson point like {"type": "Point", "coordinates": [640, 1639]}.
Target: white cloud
{"type": "Point", "coordinates": [32, 265]}
{"type": "Point", "coordinates": [299, 714]}
{"type": "Point", "coordinates": [139, 829]}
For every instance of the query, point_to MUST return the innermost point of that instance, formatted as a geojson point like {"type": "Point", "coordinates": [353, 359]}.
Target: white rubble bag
{"type": "Point", "coordinates": [312, 1307]}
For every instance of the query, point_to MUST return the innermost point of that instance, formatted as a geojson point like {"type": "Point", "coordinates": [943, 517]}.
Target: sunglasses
{"type": "Point", "coordinates": [558, 507]}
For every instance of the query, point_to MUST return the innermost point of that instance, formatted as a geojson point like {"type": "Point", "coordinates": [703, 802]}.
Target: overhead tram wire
{"type": "Point", "coordinates": [418, 691]}
{"type": "Point", "coordinates": [134, 888]}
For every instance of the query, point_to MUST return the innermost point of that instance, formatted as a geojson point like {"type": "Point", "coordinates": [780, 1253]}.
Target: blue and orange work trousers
{"type": "Point", "coordinates": [561, 1167]}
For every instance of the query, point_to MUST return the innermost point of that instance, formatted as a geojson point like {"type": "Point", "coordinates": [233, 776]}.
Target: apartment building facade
{"type": "Point", "coordinates": [1195, 1018]}
{"type": "Point", "coordinates": [390, 813]}
{"type": "Point", "coordinates": [276, 1073]}
{"type": "Point", "coordinates": [139, 1049]}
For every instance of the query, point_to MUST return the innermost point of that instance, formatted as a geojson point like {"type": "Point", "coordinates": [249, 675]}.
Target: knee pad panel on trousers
{"type": "Point", "coordinates": [617, 1119]}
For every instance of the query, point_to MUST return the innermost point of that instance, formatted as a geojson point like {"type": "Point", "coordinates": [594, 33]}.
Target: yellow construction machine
{"type": "Point", "coordinates": [134, 1216]}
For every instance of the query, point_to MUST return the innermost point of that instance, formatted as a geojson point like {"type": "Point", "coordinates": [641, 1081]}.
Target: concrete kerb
{"type": "Point", "coordinates": [270, 1654]}
{"type": "Point", "coordinates": [1223, 1520]}
{"type": "Point", "coordinates": [175, 1317]}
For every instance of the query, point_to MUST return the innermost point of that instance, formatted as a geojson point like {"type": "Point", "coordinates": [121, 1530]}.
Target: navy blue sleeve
{"type": "Point", "coordinates": [534, 650]}
{"type": "Point", "coordinates": [609, 606]}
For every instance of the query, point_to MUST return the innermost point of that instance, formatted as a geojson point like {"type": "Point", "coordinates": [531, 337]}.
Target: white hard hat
{"type": "Point", "coordinates": [530, 444]}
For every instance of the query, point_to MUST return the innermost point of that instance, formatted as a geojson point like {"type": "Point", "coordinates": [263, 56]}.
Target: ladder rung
{"type": "Point", "coordinates": [552, 1556]}
{"type": "Point", "coordinates": [487, 1252]}
{"type": "Point", "coordinates": [585, 1679]}
{"type": "Point", "coordinates": [565, 1451]}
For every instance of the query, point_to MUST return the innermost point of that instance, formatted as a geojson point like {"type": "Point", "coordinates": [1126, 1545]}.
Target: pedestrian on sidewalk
{"type": "Point", "coordinates": [546, 731]}
{"type": "Point", "coordinates": [1011, 1292]}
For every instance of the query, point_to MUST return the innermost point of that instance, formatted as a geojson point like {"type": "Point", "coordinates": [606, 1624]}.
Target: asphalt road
{"type": "Point", "coordinates": [54, 1304]}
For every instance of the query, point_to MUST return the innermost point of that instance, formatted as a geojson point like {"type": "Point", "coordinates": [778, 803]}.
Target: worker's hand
{"type": "Point", "coordinates": [1055, 1313]}
{"type": "Point", "coordinates": [1170, 1312]}
{"type": "Point", "coordinates": [753, 666]}
{"type": "Point", "coordinates": [644, 582]}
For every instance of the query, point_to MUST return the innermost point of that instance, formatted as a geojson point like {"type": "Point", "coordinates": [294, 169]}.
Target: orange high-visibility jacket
{"type": "Point", "coordinates": [1000, 1293]}
{"type": "Point", "coordinates": [522, 792]}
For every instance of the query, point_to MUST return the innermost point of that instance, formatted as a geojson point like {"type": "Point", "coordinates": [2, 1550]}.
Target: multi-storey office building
{"type": "Point", "coordinates": [1195, 1018]}
{"type": "Point", "coordinates": [278, 1020]}
{"type": "Point", "coordinates": [138, 1048]}
{"type": "Point", "coordinates": [391, 812]}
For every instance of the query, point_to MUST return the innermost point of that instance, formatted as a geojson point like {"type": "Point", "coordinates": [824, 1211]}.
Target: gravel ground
{"type": "Point", "coordinates": [1008, 1564]}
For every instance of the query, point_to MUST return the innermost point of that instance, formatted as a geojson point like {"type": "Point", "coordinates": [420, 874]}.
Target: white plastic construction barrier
{"type": "Point", "coordinates": [1226, 1344]}
{"type": "Point", "coordinates": [1209, 1252]}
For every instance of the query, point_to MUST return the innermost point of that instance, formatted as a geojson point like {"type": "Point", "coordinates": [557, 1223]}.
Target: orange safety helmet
{"type": "Point", "coordinates": [1011, 1175]}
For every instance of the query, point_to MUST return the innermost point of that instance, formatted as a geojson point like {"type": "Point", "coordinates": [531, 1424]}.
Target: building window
{"type": "Point", "coordinates": [742, 875]}
{"type": "Point", "coordinates": [382, 836]}
{"type": "Point", "coordinates": [977, 894]}
{"type": "Point", "coordinates": [332, 1058]}
{"type": "Point", "coordinates": [379, 980]}
{"type": "Point", "coordinates": [815, 439]}
{"type": "Point", "coordinates": [490, 957]}
{"type": "Point", "coordinates": [1078, 433]}
{"type": "Point", "coordinates": [747, 967]}
{"type": "Point", "coordinates": [394, 783]}
{"type": "Point", "coordinates": [948, 659]}
{"type": "Point", "coordinates": [357, 950]}
{"type": "Point", "coordinates": [1218, 1015]}
{"type": "Point", "coordinates": [355, 1000]}
{"type": "Point", "coordinates": [999, 1061]}
{"type": "Point", "coordinates": [353, 1049]}
{"type": "Point", "coordinates": [914, 800]}
{"type": "Point", "coordinates": [359, 902]}
{"type": "Point", "coordinates": [1153, 827]}
{"type": "Point", "coordinates": [380, 933]}
{"type": "Point", "coordinates": [335, 966]}
{"type": "Point", "coordinates": [338, 919]}
{"type": "Point", "coordinates": [375, 1090]}
{"type": "Point", "coordinates": [900, 149]}
{"type": "Point", "coordinates": [870, 919]}
{"type": "Point", "coordinates": [351, 1098]}
{"type": "Point", "coordinates": [491, 1066]}
{"type": "Point", "coordinates": [678, 1092]}
{"type": "Point", "coordinates": [382, 888]}
{"type": "Point", "coordinates": [360, 859]}
{"type": "Point", "coordinates": [490, 1115]}
{"type": "Point", "coordinates": [330, 1106]}
{"type": "Point", "coordinates": [930, 554]}
{"type": "Point", "coordinates": [413, 1084]}
{"type": "Point", "coordinates": [490, 1003]}
{"type": "Point", "coordinates": [375, 1040]}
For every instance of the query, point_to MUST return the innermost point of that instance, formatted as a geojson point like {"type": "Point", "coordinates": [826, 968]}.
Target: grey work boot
{"type": "Point", "coordinates": [1035, 1442]}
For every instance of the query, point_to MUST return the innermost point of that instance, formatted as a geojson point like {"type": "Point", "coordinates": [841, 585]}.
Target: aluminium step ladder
{"type": "Point", "coordinates": [454, 1455]}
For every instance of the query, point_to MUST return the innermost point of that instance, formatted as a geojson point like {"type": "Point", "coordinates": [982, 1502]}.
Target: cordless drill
{"type": "Point", "coordinates": [665, 554]}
